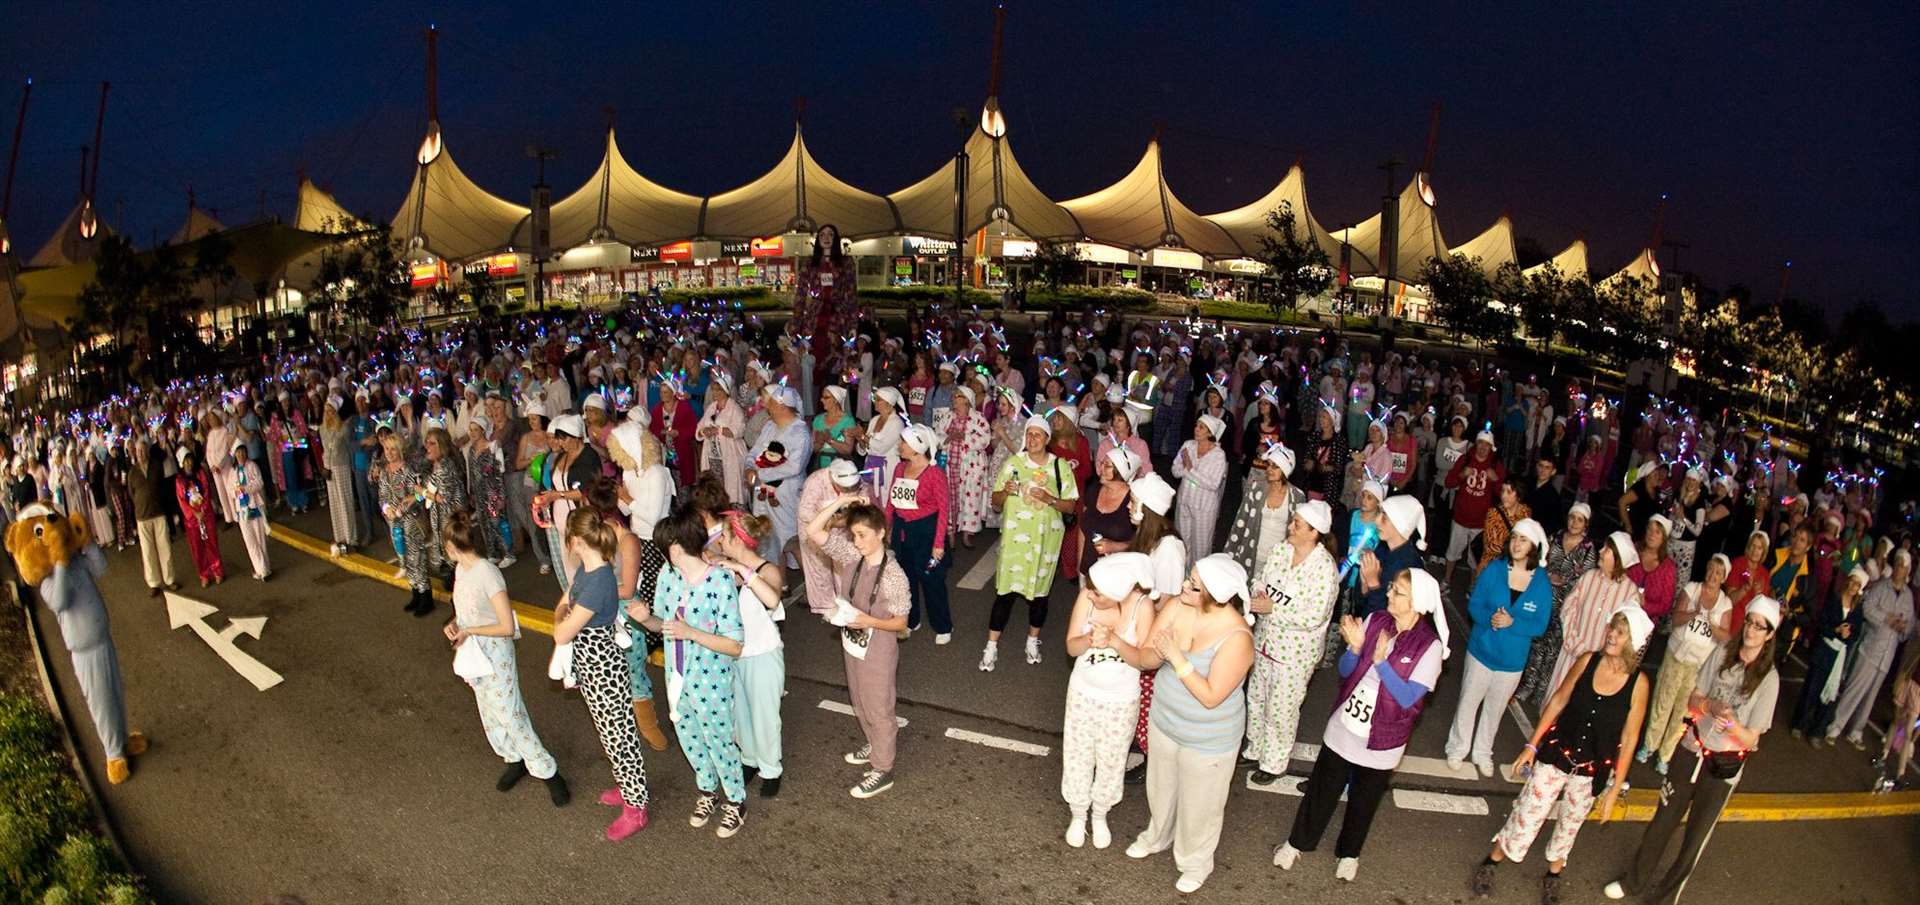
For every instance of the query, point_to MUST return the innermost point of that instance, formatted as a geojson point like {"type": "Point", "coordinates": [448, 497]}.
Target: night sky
{"type": "Point", "coordinates": [1779, 133]}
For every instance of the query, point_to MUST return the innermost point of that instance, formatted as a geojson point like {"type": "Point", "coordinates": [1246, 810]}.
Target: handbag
{"type": "Point", "coordinates": [1068, 519]}
{"type": "Point", "coordinates": [1723, 765]}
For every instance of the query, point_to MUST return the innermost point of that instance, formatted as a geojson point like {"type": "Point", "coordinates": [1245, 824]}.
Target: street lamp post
{"type": "Point", "coordinates": [960, 164]}
{"type": "Point", "coordinates": [538, 220]}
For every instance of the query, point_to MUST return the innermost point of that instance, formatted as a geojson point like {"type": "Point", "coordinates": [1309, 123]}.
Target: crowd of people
{"type": "Point", "coordinates": [1234, 514]}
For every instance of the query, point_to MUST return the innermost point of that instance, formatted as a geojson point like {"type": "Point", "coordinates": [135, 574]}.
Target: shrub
{"type": "Point", "coordinates": [898, 296]}
{"type": "Point", "coordinates": [48, 850]}
{"type": "Point", "coordinates": [1082, 297]}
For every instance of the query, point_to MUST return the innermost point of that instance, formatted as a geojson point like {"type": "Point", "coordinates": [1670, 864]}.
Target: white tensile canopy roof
{"type": "Point", "coordinates": [1571, 262]}
{"type": "Point", "coordinates": [199, 224]}
{"type": "Point", "coordinates": [619, 204]}
{"type": "Point", "coordinates": [1247, 225]}
{"type": "Point", "coordinates": [1140, 213]}
{"type": "Point", "coordinates": [1493, 248]}
{"type": "Point", "coordinates": [67, 244]}
{"type": "Point", "coordinates": [1642, 267]}
{"type": "Point", "coordinates": [449, 215]}
{"type": "Point", "coordinates": [798, 194]}
{"type": "Point", "coordinates": [1419, 234]}
{"type": "Point", "coordinates": [997, 189]}
{"type": "Point", "coordinates": [318, 212]}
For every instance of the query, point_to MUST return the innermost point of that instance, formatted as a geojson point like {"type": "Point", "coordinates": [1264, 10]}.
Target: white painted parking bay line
{"type": "Point", "coordinates": [994, 741]}
{"type": "Point", "coordinates": [976, 577]}
{"type": "Point", "coordinates": [840, 708]}
{"type": "Point", "coordinates": [1416, 800]}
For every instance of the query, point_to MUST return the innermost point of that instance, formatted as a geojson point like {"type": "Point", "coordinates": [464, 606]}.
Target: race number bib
{"type": "Point", "coordinates": [854, 641]}
{"type": "Point", "coordinates": [826, 279]}
{"type": "Point", "coordinates": [1399, 463]}
{"type": "Point", "coordinates": [1356, 712]}
{"type": "Point", "coordinates": [916, 395]}
{"type": "Point", "coordinates": [904, 494]}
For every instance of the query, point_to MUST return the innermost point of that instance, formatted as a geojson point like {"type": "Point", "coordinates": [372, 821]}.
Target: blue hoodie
{"type": "Point", "coordinates": [1505, 649]}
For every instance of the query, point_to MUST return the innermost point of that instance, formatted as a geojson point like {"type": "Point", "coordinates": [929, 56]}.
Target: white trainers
{"type": "Point", "coordinates": [1614, 890]}
{"type": "Point", "coordinates": [1346, 869]}
{"type": "Point", "coordinates": [1189, 883]}
{"type": "Point", "coordinates": [546, 569]}
{"type": "Point", "coordinates": [507, 562]}
{"type": "Point", "coordinates": [1455, 763]}
{"type": "Point", "coordinates": [988, 657]}
{"type": "Point", "coordinates": [1033, 651]}
{"type": "Point", "coordinates": [400, 572]}
{"type": "Point", "coordinates": [1483, 767]}
{"type": "Point", "coordinates": [1139, 849]}
{"type": "Point", "coordinates": [943, 637]}
{"type": "Point", "coordinates": [1102, 837]}
{"type": "Point", "coordinates": [1285, 856]}
{"type": "Point", "coordinates": [1077, 831]}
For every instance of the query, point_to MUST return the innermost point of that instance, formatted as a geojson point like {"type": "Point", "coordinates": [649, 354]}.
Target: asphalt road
{"type": "Point", "coordinates": [365, 777]}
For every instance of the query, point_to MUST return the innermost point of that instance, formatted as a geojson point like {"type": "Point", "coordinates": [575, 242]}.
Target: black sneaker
{"type": "Point", "coordinates": [770, 787]}
{"type": "Point", "coordinates": [1550, 889]}
{"type": "Point", "coordinates": [732, 818]}
{"type": "Point", "coordinates": [1137, 775]}
{"type": "Point", "coordinates": [558, 792]}
{"type": "Point", "coordinates": [514, 773]}
{"type": "Point", "coordinates": [748, 773]}
{"type": "Point", "coordinates": [1261, 777]}
{"type": "Point", "coordinates": [703, 810]}
{"type": "Point", "coordinates": [873, 783]}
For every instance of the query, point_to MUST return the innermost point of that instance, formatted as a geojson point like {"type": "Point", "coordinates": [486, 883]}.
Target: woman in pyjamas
{"type": "Point", "coordinates": [1293, 598]}
{"type": "Point", "coordinates": [401, 504]}
{"type": "Point", "coordinates": [483, 617]}
{"type": "Point", "coordinates": [696, 607]}
{"type": "Point", "coordinates": [875, 589]}
{"type": "Point", "coordinates": [250, 505]}
{"type": "Point", "coordinates": [445, 490]}
{"type": "Point", "coordinates": [1110, 621]}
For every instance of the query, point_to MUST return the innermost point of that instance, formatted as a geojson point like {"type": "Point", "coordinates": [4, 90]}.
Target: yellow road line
{"type": "Point", "coordinates": [1636, 806]}
{"type": "Point", "coordinates": [536, 618]}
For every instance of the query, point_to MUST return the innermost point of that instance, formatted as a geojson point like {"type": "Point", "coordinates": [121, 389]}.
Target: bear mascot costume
{"type": "Point", "coordinates": [55, 554]}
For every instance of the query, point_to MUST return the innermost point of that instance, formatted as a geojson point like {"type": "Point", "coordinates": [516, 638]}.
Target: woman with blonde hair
{"type": "Point", "coordinates": [1584, 615]}
{"type": "Point", "coordinates": [405, 510]}
{"type": "Point", "coordinates": [444, 491]}
{"type": "Point", "coordinates": [487, 488]}
{"type": "Point", "coordinates": [337, 460]}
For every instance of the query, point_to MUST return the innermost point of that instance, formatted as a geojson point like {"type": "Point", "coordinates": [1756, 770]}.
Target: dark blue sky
{"type": "Point", "coordinates": [1780, 131]}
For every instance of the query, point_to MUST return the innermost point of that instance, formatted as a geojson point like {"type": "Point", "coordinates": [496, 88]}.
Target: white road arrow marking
{"type": "Point", "coordinates": [186, 611]}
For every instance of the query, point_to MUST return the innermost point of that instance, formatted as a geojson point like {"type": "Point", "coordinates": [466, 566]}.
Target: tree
{"type": "Point", "coordinates": [485, 295]}
{"type": "Point", "coordinates": [1631, 327]}
{"type": "Point", "coordinates": [1539, 297]}
{"type": "Point", "coordinates": [1296, 264]}
{"type": "Point", "coordinates": [364, 276]}
{"type": "Point", "coordinates": [1057, 263]}
{"type": "Point", "coordinates": [1461, 294]}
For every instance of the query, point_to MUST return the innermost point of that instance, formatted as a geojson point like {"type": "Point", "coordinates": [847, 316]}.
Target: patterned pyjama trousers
{"type": "Point", "coordinates": [1669, 705]}
{"type": "Point", "coordinates": [758, 682]}
{"type": "Point", "coordinates": [600, 667]}
{"type": "Point", "coordinates": [704, 726]}
{"type": "Point", "coordinates": [504, 714]}
{"type": "Point", "coordinates": [1093, 751]}
{"type": "Point", "coordinates": [1274, 693]}
{"type": "Point", "coordinates": [1547, 787]}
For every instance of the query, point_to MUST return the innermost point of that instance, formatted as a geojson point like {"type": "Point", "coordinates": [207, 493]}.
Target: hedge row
{"type": "Point", "coordinates": [49, 852]}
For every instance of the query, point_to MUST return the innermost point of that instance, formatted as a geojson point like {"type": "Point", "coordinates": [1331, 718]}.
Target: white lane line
{"type": "Point", "coordinates": [994, 741]}
{"type": "Point", "coordinates": [1434, 766]}
{"type": "Point", "coordinates": [845, 710]}
{"type": "Point", "coordinates": [983, 568]}
{"type": "Point", "coordinates": [1416, 800]}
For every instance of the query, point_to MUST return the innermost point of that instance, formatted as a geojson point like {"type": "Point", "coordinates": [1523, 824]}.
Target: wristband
{"type": "Point", "coordinates": [1530, 747]}
{"type": "Point", "coordinates": [1183, 670]}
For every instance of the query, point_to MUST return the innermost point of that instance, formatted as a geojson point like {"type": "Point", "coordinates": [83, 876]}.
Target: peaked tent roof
{"type": "Point", "coordinates": [1642, 267]}
{"type": "Point", "coordinates": [67, 245]}
{"type": "Point", "coordinates": [620, 204]}
{"type": "Point", "coordinates": [448, 214]}
{"type": "Point", "coordinates": [1248, 225]}
{"type": "Point", "coordinates": [1139, 212]}
{"type": "Point", "coordinates": [997, 189]}
{"type": "Point", "coordinates": [798, 194]}
{"type": "Point", "coordinates": [1494, 248]}
{"type": "Point", "coordinates": [1571, 262]}
{"type": "Point", "coordinates": [318, 212]}
{"type": "Point", "coordinates": [1419, 235]}
{"type": "Point", "coordinates": [199, 223]}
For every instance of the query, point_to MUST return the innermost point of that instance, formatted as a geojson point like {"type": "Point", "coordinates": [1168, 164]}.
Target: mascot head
{"type": "Point", "coordinates": [41, 538]}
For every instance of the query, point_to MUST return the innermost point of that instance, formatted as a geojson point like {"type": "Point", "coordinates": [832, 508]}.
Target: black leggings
{"type": "Point", "coordinates": [1003, 610]}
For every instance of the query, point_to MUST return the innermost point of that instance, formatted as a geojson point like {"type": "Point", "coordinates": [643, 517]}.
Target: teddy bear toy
{"type": "Point", "coordinates": [56, 555]}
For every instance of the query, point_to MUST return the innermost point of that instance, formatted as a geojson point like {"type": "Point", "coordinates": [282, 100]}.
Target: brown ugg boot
{"type": "Point", "coordinates": [117, 770]}
{"type": "Point", "coordinates": [649, 724]}
{"type": "Point", "coordinates": [136, 743]}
